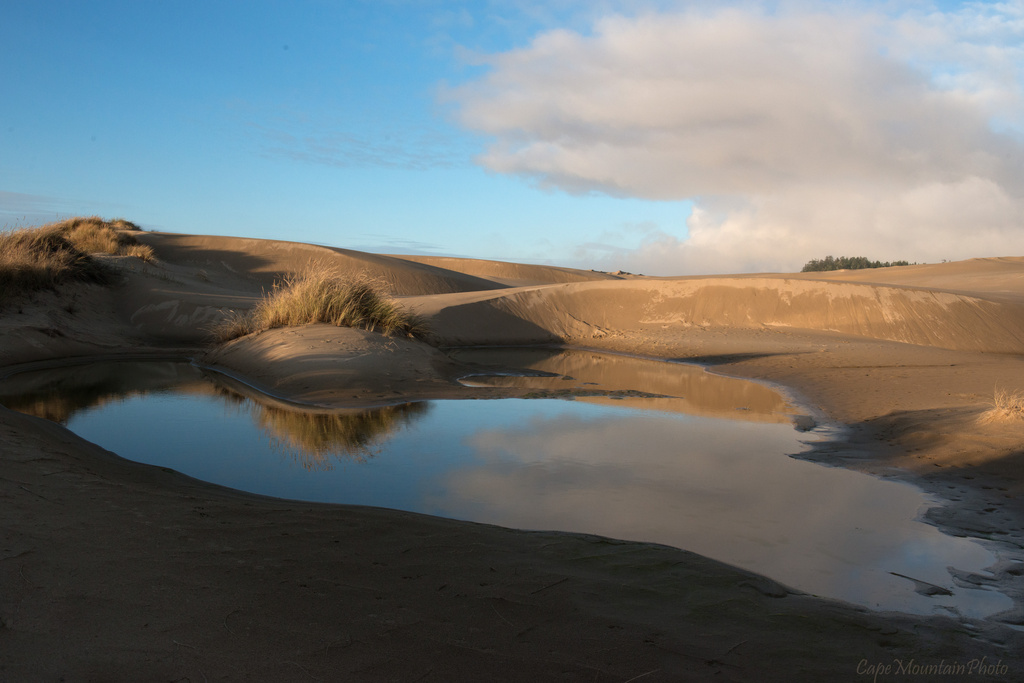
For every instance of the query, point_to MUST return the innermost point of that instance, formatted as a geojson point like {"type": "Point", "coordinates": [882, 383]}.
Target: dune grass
{"type": "Point", "coordinates": [95, 236]}
{"type": "Point", "coordinates": [34, 259]}
{"type": "Point", "coordinates": [321, 294]}
{"type": "Point", "coordinates": [1007, 406]}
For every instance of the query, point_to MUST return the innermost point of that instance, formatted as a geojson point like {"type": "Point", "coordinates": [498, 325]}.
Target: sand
{"type": "Point", "coordinates": [117, 571]}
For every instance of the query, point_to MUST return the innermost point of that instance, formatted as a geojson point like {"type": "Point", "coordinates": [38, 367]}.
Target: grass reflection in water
{"type": "Point", "coordinates": [679, 471]}
{"type": "Point", "coordinates": [313, 440]}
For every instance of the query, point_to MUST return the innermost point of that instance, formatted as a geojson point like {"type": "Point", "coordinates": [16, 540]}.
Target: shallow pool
{"type": "Point", "coordinates": [710, 474]}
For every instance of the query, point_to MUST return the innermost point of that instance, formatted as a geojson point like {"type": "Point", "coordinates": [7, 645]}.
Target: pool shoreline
{"type": "Point", "coordinates": [814, 450]}
{"type": "Point", "coordinates": [765, 595]}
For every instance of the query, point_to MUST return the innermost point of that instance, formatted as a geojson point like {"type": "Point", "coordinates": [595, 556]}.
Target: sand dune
{"type": "Point", "coordinates": [512, 274]}
{"type": "Point", "coordinates": [199, 279]}
{"type": "Point", "coordinates": [585, 311]}
{"type": "Point", "coordinates": [971, 305]}
{"type": "Point", "coordinates": [119, 571]}
{"type": "Point", "coordinates": [1001, 278]}
{"type": "Point", "coordinates": [265, 261]}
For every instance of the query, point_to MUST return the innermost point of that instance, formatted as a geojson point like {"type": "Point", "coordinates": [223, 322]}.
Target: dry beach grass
{"type": "Point", "coordinates": [32, 259]}
{"type": "Point", "coordinates": [320, 293]}
{"type": "Point", "coordinates": [1006, 406]}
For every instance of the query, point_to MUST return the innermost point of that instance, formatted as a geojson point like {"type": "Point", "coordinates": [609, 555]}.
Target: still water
{"type": "Point", "coordinates": [697, 461]}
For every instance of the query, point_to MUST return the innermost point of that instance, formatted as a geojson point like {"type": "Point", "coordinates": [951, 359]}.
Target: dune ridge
{"type": "Point", "coordinates": [894, 354]}
{"type": "Point", "coordinates": [972, 305]}
{"type": "Point", "coordinates": [267, 260]}
{"type": "Point", "coordinates": [197, 281]}
{"type": "Point", "coordinates": [594, 310]}
{"type": "Point", "coordinates": [999, 277]}
{"type": "Point", "coordinates": [512, 274]}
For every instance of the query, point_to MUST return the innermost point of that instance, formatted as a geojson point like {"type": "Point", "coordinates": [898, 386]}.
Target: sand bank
{"type": "Point", "coordinates": [118, 571]}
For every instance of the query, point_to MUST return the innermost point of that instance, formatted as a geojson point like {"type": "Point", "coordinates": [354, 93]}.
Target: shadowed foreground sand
{"type": "Point", "coordinates": [117, 571]}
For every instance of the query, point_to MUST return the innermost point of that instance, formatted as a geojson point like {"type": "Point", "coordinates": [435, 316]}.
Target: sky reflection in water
{"type": "Point", "coordinates": [622, 468]}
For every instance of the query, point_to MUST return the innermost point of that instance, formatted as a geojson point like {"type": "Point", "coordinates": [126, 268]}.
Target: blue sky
{"type": "Point", "coordinates": [562, 132]}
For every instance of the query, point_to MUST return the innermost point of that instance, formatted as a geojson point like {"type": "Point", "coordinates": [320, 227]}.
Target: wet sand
{"type": "Point", "coordinates": [118, 571]}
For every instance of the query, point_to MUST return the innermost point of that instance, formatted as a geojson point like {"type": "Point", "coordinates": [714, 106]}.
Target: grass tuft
{"type": "Point", "coordinates": [321, 294]}
{"type": "Point", "coordinates": [34, 259]}
{"type": "Point", "coordinates": [143, 252]}
{"type": "Point", "coordinates": [1007, 406]}
{"type": "Point", "coordinates": [96, 236]}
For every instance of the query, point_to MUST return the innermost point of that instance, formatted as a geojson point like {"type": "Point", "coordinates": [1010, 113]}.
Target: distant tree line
{"type": "Point", "coordinates": [847, 263]}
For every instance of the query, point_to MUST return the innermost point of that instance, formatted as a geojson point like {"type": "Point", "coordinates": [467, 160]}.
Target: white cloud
{"type": "Point", "coordinates": [800, 133]}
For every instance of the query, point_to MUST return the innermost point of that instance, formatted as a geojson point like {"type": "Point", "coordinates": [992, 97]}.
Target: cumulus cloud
{"type": "Point", "coordinates": [798, 133]}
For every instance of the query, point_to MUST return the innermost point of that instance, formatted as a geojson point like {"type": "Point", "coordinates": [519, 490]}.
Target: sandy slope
{"type": "Point", "coordinates": [265, 261]}
{"type": "Point", "coordinates": [924, 317]}
{"type": "Point", "coordinates": [1001, 278]}
{"type": "Point", "coordinates": [116, 571]}
{"type": "Point", "coordinates": [512, 274]}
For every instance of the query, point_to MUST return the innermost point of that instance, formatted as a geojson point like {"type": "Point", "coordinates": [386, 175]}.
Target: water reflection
{"type": "Point", "coordinates": [314, 440]}
{"type": "Point", "coordinates": [721, 491]}
{"type": "Point", "coordinates": [58, 393]}
{"type": "Point", "coordinates": [689, 388]}
{"type": "Point", "coordinates": [636, 469]}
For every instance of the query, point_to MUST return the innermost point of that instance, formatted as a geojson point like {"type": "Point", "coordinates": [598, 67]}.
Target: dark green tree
{"type": "Point", "coordinates": [847, 263]}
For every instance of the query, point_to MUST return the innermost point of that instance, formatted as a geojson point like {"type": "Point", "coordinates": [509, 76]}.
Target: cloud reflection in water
{"type": "Point", "coordinates": [721, 490]}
